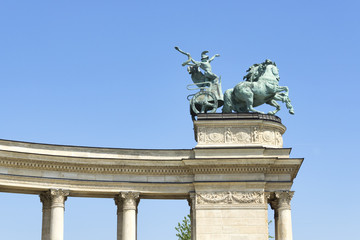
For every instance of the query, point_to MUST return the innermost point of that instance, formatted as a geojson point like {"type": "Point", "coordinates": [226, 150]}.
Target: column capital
{"type": "Point", "coordinates": [58, 197]}
{"type": "Point", "coordinates": [45, 198]}
{"type": "Point", "coordinates": [191, 199]}
{"type": "Point", "coordinates": [282, 200]}
{"type": "Point", "coordinates": [119, 201]}
{"type": "Point", "coordinates": [130, 200]}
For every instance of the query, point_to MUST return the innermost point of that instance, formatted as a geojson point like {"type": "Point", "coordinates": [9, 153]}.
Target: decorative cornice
{"type": "Point", "coordinates": [148, 170]}
{"type": "Point", "coordinates": [227, 198]}
{"type": "Point", "coordinates": [92, 168]}
{"type": "Point", "coordinates": [251, 168]}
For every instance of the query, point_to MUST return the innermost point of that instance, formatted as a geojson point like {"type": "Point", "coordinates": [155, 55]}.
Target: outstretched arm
{"type": "Point", "coordinates": [195, 62]}
{"type": "Point", "coordinates": [213, 57]}
{"type": "Point", "coordinates": [185, 53]}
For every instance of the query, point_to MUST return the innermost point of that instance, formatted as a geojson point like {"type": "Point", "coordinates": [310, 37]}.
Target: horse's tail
{"type": "Point", "coordinates": [227, 101]}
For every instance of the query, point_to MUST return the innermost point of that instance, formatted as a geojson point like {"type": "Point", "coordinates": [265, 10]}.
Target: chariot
{"type": "Point", "coordinates": [208, 98]}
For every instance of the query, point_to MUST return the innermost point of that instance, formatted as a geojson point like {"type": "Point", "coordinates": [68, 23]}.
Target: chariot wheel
{"type": "Point", "coordinates": [203, 102]}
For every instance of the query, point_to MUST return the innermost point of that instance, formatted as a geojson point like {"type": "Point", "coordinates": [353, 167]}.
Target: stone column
{"type": "Point", "coordinates": [130, 201]}
{"type": "Point", "coordinates": [45, 198]}
{"type": "Point", "coordinates": [137, 211]}
{"type": "Point", "coordinates": [191, 201]}
{"type": "Point", "coordinates": [58, 198]}
{"type": "Point", "coordinates": [120, 210]}
{"type": "Point", "coordinates": [282, 215]}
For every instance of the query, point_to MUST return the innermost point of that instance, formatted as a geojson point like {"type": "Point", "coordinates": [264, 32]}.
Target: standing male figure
{"type": "Point", "coordinates": [205, 65]}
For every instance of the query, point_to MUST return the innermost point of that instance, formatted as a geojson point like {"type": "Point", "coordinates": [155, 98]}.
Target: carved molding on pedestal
{"type": "Point", "coordinates": [233, 198]}
{"type": "Point", "coordinates": [239, 136]}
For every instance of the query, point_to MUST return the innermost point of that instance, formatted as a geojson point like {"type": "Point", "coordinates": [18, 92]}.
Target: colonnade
{"type": "Point", "coordinates": [54, 206]}
{"type": "Point", "coordinates": [53, 202]}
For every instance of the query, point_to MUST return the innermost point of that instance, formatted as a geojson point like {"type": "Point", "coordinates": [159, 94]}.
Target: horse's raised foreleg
{"type": "Point", "coordinates": [273, 103]}
{"type": "Point", "coordinates": [285, 99]}
{"type": "Point", "coordinates": [289, 106]}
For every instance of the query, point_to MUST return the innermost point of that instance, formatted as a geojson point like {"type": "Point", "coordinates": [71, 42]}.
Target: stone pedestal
{"type": "Point", "coordinates": [231, 215]}
{"type": "Point", "coordinates": [241, 153]}
{"type": "Point", "coordinates": [238, 130]}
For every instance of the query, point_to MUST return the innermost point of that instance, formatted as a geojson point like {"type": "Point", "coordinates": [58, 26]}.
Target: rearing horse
{"type": "Point", "coordinates": [264, 89]}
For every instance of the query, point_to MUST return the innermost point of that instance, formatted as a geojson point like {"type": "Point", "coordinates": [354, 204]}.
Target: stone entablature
{"type": "Point", "coordinates": [155, 172]}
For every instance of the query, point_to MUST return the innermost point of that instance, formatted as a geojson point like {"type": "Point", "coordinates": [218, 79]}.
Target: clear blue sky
{"type": "Point", "coordinates": [105, 73]}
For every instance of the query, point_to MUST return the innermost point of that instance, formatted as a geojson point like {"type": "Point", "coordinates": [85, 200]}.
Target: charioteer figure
{"type": "Point", "coordinates": [210, 96]}
{"type": "Point", "coordinates": [205, 65]}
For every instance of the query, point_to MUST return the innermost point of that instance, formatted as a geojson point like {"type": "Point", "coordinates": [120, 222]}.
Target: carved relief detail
{"type": "Point", "coordinates": [58, 197]}
{"type": "Point", "coordinates": [119, 203]}
{"type": "Point", "coordinates": [45, 198]}
{"type": "Point", "coordinates": [215, 136]}
{"type": "Point", "coordinates": [239, 135]}
{"type": "Point", "coordinates": [130, 200]}
{"type": "Point", "coordinates": [230, 198]}
{"type": "Point", "coordinates": [201, 135]}
{"type": "Point", "coordinates": [282, 200]}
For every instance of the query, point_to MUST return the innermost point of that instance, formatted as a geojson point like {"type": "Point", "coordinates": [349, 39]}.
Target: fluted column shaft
{"type": "Point", "coordinates": [282, 209]}
{"type": "Point", "coordinates": [130, 202]}
{"type": "Point", "coordinates": [58, 198]}
{"type": "Point", "coordinates": [45, 198]}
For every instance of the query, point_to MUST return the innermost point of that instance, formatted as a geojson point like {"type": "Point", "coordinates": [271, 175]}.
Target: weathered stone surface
{"type": "Point", "coordinates": [238, 130]}
{"type": "Point", "coordinates": [228, 184]}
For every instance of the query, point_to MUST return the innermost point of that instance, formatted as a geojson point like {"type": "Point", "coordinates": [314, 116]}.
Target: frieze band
{"type": "Point", "coordinates": [239, 135]}
{"type": "Point", "coordinates": [230, 198]}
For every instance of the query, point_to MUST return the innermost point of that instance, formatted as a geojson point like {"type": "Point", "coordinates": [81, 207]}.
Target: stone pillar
{"type": "Point", "coordinates": [137, 211]}
{"type": "Point", "coordinates": [191, 201]}
{"type": "Point", "coordinates": [130, 202]}
{"type": "Point", "coordinates": [282, 215]}
{"type": "Point", "coordinates": [226, 215]}
{"type": "Point", "coordinates": [120, 210]}
{"type": "Point", "coordinates": [45, 198]}
{"type": "Point", "coordinates": [58, 198]}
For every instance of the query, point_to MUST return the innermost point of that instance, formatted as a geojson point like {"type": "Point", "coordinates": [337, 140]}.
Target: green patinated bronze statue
{"type": "Point", "coordinates": [261, 86]}
{"type": "Point", "coordinates": [210, 96]}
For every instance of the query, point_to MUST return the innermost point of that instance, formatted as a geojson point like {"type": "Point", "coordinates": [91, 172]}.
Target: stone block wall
{"type": "Point", "coordinates": [231, 224]}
